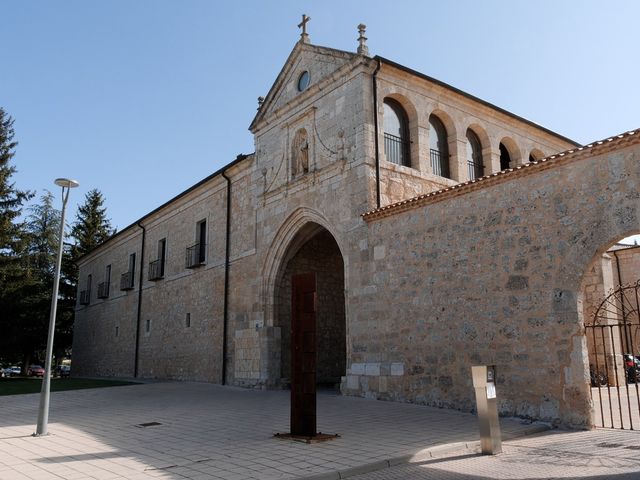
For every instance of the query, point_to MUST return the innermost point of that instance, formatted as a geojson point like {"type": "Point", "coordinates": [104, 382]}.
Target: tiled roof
{"type": "Point", "coordinates": [632, 136]}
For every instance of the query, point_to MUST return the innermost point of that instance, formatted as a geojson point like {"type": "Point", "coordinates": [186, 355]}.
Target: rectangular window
{"type": "Point", "coordinates": [147, 325]}
{"type": "Point", "coordinates": [202, 240]}
{"type": "Point", "coordinates": [85, 295]}
{"type": "Point", "coordinates": [187, 320]}
{"type": "Point", "coordinates": [127, 278]}
{"type": "Point", "coordinates": [132, 265]}
{"type": "Point", "coordinates": [103, 287]}
{"type": "Point", "coordinates": [162, 250]}
{"type": "Point", "coordinates": [156, 267]}
{"type": "Point", "coordinates": [196, 254]}
{"type": "Point", "coordinates": [117, 330]}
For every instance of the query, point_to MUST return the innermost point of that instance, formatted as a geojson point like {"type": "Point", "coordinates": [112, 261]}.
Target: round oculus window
{"type": "Point", "coordinates": [303, 81]}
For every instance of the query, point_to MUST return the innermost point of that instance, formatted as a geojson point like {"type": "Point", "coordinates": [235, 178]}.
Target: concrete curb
{"type": "Point", "coordinates": [437, 451]}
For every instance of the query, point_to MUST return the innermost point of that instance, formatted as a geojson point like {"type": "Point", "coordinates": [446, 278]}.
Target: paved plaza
{"type": "Point", "coordinates": [205, 431]}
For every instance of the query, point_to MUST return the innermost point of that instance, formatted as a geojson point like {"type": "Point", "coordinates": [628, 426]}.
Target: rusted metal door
{"type": "Point", "coordinates": [303, 354]}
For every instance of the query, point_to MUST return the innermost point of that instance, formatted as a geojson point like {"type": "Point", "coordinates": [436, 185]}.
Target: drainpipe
{"type": "Point", "coordinates": [375, 124]}
{"type": "Point", "coordinates": [225, 313]}
{"type": "Point", "coordinates": [139, 314]}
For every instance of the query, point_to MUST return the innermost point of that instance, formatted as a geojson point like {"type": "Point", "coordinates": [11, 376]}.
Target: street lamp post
{"type": "Point", "coordinates": [43, 411]}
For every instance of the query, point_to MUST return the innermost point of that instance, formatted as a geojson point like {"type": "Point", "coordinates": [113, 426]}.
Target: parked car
{"type": "Point", "coordinates": [11, 371]}
{"type": "Point", "coordinates": [35, 371]}
{"type": "Point", "coordinates": [63, 371]}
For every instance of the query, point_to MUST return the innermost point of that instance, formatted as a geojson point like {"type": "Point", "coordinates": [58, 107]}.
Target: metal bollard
{"type": "Point", "coordinates": [485, 386]}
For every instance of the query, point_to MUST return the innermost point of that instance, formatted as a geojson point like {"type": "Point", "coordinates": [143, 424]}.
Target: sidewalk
{"type": "Point", "coordinates": [594, 455]}
{"type": "Point", "coordinates": [199, 431]}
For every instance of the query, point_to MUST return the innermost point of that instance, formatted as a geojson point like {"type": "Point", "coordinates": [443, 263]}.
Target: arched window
{"type": "Point", "coordinates": [505, 158]}
{"type": "Point", "coordinates": [474, 156]}
{"type": "Point", "coordinates": [438, 147]}
{"type": "Point", "coordinates": [396, 133]}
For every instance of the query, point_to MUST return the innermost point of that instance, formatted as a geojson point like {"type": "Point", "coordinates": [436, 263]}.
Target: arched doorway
{"type": "Point", "coordinates": [610, 308]}
{"type": "Point", "coordinates": [314, 250]}
{"type": "Point", "coordinates": [309, 310]}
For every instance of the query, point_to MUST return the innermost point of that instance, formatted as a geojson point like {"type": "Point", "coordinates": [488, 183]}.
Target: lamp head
{"type": "Point", "coordinates": [65, 182]}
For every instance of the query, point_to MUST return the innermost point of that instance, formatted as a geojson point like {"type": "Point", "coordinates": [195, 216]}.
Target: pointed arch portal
{"type": "Point", "coordinates": [310, 312]}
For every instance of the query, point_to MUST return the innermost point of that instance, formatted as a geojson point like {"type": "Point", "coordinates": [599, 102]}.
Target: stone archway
{"type": "Point", "coordinates": [609, 305]}
{"type": "Point", "coordinates": [314, 250]}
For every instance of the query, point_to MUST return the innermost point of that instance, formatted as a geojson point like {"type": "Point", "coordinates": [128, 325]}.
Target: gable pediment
{"type": "Point", "coordinates": [319, 62]}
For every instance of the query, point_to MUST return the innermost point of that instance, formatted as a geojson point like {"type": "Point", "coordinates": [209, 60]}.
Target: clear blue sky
{"type": "Point", "coordinates": [141, 99]}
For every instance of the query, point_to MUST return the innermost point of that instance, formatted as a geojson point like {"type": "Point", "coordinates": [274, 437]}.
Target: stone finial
{"type": "Point", "coordinates": [362, 40]}
{"type": "Point", "coordinates": [304, 36]}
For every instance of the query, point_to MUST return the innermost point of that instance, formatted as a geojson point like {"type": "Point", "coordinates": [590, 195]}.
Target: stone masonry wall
{"type": "Point", "coordinates": [104, 330]}
{"type": "Point", "coordinates": [490, 277]}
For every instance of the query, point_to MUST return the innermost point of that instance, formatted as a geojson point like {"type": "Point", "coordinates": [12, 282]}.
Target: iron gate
{"type": "Point", "coordinates": [613, 341]}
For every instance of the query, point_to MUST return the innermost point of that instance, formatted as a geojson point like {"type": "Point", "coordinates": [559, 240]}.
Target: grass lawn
{"type": "Point", "coordinates": [20, 385]}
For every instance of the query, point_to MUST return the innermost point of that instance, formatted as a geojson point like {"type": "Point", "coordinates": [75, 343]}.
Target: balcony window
{"type": "Point", "coordinates": [103, 290]}
{"type": "Point", "coordinates": [474, 156]}
{"type": "Point", "coordinates": [126, 281]}
{"type": "Point", "coordinates": [127, 278]}
{"type": "Point", "coordinates": [195, 255]}
{"type": "Point", "coordinates": [438, 147]}
{"type": "Point", "coordinates": [396, 133]}
{"type": "Point", "coordinates": [85, 296]}
{"type": "Point", "coordinates": [156, 267]}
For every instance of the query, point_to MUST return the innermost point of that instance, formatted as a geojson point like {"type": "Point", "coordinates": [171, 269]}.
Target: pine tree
{"type": "Point", "coordinates": [11, 199]}
{"type": "Point", "coordinates": [13, 242]}
{"type": "Point", "coordinates": [92, 227]}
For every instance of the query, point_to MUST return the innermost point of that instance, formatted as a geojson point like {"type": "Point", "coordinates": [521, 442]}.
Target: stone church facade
{"type": "Point", "coordinates": [443, 232]}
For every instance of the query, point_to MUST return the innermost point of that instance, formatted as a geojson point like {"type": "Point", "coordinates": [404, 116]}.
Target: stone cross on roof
{"type": "Point", "coordinates": [304, 36]}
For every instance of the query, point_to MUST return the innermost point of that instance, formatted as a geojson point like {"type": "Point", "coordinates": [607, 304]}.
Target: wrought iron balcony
{"type": "Point", "coordinates": [156, 269]}
{"type": "Point", "coordinates": [85, 296]}
{"type": "Point", "coordinates": [103, 290]}
{"type": "Point", "coordinates": [195, 255]}
{"type": "Point", "coordinates": [126, 281]}
{"type": "Point", "coordinates": [439, 164]}
{"type": "Point", "coordinates": [396, 149]}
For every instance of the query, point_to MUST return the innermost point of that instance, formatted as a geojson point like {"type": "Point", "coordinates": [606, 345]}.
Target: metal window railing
{"type": "Point", "coordinates": [103, 290]}
{"type": "Point", "coordinates": [439, 163]}
{"type": "Point", "coordinates": [126, 281]}
{"type": "Point", "coordinates": [156, 269]}
{"type": "Point", "coordinates": [476, 170]}
{"type": "Point", "coordinates": [85, 296]}
{"type": "Point", "coordinates": [195, 255]}
{"type": "Point", "coordinates": [396, 150]}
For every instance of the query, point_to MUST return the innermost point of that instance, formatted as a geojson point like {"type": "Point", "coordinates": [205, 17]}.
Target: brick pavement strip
{"type": "Point", "coordinates": [209, 431]}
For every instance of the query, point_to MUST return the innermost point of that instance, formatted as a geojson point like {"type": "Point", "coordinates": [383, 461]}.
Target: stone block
{"type": "Point", "coordinates": [372, 369]}
{"type": "Point", "coordinates": [357, 369]}
{"type": "Point", "coordinates": [397, 369]}
{"type": "Point", "coordinates": [353, 382]}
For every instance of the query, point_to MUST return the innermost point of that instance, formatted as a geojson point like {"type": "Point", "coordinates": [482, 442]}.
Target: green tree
{"type": "Point", "coordinates": [31, 304]}
{"type": "Point", "coordinates": [92, 227]}
{"type": "Point", "coordinates": [11, 199]}
{"type": "Point", "coordinates": [13, 240]}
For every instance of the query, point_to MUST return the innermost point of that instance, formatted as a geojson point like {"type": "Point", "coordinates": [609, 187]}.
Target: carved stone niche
{"type": "Point", "coordinates": [300, 153]}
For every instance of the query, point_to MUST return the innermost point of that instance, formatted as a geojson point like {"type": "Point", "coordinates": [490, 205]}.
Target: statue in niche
{"type": "Point", "coordinates": [300, 153]}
